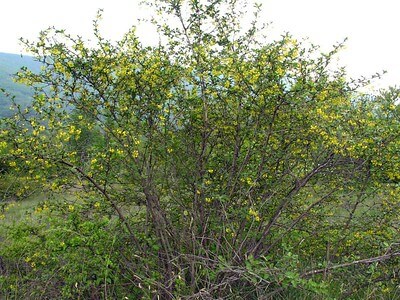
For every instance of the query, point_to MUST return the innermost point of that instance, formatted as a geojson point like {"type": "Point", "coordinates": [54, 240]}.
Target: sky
{"type": "Point", "coordinates": [371, 26]}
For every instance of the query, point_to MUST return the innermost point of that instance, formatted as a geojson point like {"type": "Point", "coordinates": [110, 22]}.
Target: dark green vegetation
{"type": "Point", "coordinates": [9, 65]}
{"type": "Point", "coordinates": [213, 166]}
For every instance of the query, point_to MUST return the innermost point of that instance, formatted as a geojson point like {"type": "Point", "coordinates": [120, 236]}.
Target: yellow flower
{"type": "Point", "coordinates": [254, 214]}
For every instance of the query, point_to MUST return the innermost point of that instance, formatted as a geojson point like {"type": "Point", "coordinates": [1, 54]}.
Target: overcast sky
{"type": "Point", "coordinates": [372, 26]}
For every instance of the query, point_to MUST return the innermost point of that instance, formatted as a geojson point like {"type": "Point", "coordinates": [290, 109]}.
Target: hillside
{"type": "Point", "coordinates": [9, 65]}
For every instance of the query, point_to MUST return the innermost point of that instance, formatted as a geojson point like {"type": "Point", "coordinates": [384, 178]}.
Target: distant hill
{"type": "Point", "coordinates": [9, 65]}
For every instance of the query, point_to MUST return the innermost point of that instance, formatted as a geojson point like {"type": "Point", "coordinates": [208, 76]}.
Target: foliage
{"type": "Point", "coordinates": [225, 166]}
{"type": "Point", "coordinates": [45, 256]}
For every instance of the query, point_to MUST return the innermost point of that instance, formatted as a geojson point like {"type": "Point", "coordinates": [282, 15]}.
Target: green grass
{"type": "Point", "coordinates": [16, 210]}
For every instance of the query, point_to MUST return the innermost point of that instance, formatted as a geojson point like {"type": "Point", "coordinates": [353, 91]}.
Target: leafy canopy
{"type": "Point", "coordinates": [233, 165]}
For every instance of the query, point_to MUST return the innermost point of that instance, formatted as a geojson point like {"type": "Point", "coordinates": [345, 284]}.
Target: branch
{"type": "Point", "coordinates": [107, 196]}
{"type": "Point", "coordinates": [302, 216]}
{"type": "Point", "coordinates": [282, 205]}
{"type": "Point", "coordinates": [365, 261]}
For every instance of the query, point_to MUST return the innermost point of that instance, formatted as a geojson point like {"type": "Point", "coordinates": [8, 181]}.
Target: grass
{"type": "Point", "coordinates": [16, 210]}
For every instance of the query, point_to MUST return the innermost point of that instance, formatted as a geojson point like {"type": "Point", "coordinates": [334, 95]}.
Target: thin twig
{"type": "Point", "coordinates": [353, 263]}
